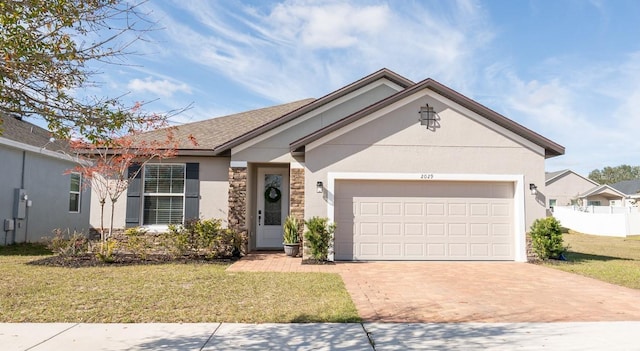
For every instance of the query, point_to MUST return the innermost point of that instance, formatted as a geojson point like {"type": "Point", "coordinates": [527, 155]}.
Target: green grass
{"type": "Point", "coordinates": [164, 293]}
{"type": "Point", "coordinates": [611, 259]}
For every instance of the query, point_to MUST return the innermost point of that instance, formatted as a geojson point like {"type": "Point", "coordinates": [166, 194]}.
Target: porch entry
{"type": "Point", "coordinates": [272, 206]}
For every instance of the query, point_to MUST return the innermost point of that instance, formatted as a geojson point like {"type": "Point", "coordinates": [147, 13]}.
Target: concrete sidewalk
{"type": "Point", "coordinates": [325, 336]}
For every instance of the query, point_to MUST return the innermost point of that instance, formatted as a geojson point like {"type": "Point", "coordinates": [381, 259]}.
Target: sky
{"type": "Point", "coordinates": [566, 69]}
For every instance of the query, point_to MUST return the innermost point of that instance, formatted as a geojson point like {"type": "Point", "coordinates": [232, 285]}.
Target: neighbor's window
{"type": "Point", "coordinates": [552, 203]}
{"type": "Point", "coordinates": [593, 203]}
{"type": "Point", "coordinates": [74, 192]}
{"type": "Point", "coordinates": [163, 194]}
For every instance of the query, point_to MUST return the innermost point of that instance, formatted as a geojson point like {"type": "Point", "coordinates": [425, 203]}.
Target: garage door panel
{"type": "Point", "coordinates": [368, 229]}
{"type": "Point", "coordinates": [479, 250]}
{"type": "Point", "coordinates": [414, 209]}
{"type": "Point", "coordinates": [391, 208]}
{"type": "Point", "coordinates": [399, 220]}
{"type": "Point", "coordinates": [479, 209]}
{"type": "Point", "coordinates": [368, 209]}
{"type": "Point", "coordinates": [458, 250]}
{"type": "Point", "coordinates": [414, 229]}
{"type": "Point", "coordinates": [414, 250]}
{"type": "Point", "coordinates": [479, 229]}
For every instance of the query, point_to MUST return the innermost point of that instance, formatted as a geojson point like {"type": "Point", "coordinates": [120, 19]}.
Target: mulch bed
{"type": "Point", "coordinates": [314, 261]}
{"type": "Point", "coordinates": [90, 260]}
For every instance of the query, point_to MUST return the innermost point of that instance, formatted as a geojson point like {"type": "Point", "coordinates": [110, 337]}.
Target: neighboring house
{"type": "Point", "coordinates": [631, 189]}
{"type": "Point", "coordinates": [564, 188]}
{"type": "Point", "coordinates": [602, 195]}
{"type": "Point", "coordinates": [408, 171]}
{"type": "Point", "coordinates": [36, 196]}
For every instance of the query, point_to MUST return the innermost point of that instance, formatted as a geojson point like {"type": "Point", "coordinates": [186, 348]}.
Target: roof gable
{"type": "Point", "coordinates": [602, 189]}
{"type": "Point", "coordinates": [551, 177]}
{"type": "Point", "coordinates": [381, 74]}
{"type": "Point", "coordinates": [551, 148]}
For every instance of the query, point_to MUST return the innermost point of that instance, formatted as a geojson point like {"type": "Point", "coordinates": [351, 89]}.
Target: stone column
{"type": "Point", "coordinates": [296, 196]}
{"type": "Point", "coordinates": [237, 215]}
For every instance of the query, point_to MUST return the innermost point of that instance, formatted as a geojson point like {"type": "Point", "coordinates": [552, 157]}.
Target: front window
{"type": "Point", "coordinates": [593, 203]}
{"type": "Point", "coordinates": [163, 194]}
{"type": "Point", "coordinates": [74, 192]}
{"type": "Point", "coordinates": [552, 203]}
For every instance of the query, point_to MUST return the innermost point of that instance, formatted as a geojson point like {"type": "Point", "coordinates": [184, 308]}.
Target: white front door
{"type": "Point", "coordinates": [272, 206]}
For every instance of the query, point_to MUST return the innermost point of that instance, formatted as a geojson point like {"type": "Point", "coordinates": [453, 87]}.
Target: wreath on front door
{"type": "Point", "coordinates": [272, 194]}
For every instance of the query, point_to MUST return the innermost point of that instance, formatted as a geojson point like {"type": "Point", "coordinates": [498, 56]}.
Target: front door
{"type": "Point", "coordinates": [272, 206]}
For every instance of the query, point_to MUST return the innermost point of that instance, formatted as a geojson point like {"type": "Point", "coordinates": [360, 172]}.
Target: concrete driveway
{"type": "Point", "coordinates": [434, 292]}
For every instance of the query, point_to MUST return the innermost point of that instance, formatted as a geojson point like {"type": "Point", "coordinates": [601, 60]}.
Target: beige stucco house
{"type": "Point", "coordinates": [565, 187]}
{"type": "Point", "coordinates": [450, 183]}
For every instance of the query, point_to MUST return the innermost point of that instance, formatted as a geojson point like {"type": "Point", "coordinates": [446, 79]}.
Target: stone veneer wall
{"type": "Point", "coordinates": [237, 217]}
{"type": "Point", "coordinates": [296, 198]}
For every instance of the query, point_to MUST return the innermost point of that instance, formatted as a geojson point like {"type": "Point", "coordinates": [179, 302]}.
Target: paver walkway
{"type": "Point", "coordinates": [466, 291]}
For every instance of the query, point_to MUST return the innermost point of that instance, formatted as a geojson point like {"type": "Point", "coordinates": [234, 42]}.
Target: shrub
{"type": "Point", "coordinates": [138, 243]}
{"type": "Point", "coordinates": [290, 230]}
{"type": "Point", "coordinates": [546, 238]}
{"type": "Point", "coordinates": [318, 237]}
{"type": "Point", "coordinates": [106, 249]}
{"type": "Point", "coordinates": [75, 244]}
{"type": "Point", "coordinates": [202, 237]}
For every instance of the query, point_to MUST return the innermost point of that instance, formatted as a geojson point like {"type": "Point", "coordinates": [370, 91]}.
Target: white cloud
{"type": "Point", "coordinates": [159, 87]}
{"type": "Point", "coordinates": [298, 49]}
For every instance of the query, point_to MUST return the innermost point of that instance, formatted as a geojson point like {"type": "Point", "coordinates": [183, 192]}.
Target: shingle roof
{"type": "Point", "coordinates": [27, 133]}
{"type": "Point", "coordinates": [629, 187]}
{"type": "Point", "coordinates": [551, 175]}
{"type": "Point", "coordinates": [216, 131]}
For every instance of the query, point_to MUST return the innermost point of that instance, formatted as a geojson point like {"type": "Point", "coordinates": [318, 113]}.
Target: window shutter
{"type": "Point", "coordinates": [134, 194]}
{"type": "Point", "coordinates": [192, 191]}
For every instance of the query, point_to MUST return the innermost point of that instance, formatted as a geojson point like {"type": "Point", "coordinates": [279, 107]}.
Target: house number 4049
{"type": "Point", "coordinates": [426, 176]}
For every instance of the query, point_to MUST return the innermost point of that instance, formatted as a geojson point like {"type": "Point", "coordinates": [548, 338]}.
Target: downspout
{"type": "Point", "coordinates": [26, 213]}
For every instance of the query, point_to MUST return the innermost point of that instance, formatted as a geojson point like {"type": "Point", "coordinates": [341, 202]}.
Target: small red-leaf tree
{"type": "Point", "coordinates": [112, 156]}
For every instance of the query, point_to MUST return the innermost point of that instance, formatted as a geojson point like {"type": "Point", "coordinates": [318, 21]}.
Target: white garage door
{"type": "Point", "coordinates": [423, 220]}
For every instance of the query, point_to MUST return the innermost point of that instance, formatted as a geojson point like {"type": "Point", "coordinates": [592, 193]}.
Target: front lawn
{"type": "Point", "coordinates": [172, 292]}
{"type": "Point", "coordinates": [611, 259]}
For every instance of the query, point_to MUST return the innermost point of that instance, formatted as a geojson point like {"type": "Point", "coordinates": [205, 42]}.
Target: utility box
{"type": "Point", "coordinates": [9, 225]}
{"type": "Point", "coordinates": [20, 204]}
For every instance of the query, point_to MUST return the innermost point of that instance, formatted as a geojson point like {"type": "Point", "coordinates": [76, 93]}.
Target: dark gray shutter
{"type": "Point", "coordinates": [192, 191]}
{"type": "Point", "coordinates": [134, 196]}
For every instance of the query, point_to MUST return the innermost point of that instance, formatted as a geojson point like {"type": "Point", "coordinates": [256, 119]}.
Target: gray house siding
{"type": "Point", "coordinates": [47, 186]}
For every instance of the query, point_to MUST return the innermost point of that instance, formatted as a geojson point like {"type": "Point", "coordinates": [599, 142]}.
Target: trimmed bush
{"type": "Point", "coordinates": [202, 237]}
{"type": "Point", "coordinates": [318, 237]}
{"type": "Point", "coordinates": [546, 238]}
{"type": "Point", "coordinates": [75, 244]}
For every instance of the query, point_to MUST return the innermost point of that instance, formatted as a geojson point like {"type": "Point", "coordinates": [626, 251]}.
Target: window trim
{"type": "Point", "coordinates": [144, 194]}
{"type": "Point", "coordinates": [79, 192]}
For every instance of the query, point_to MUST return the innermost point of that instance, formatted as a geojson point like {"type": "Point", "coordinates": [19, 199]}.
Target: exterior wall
{"type": "Point", "coordinates": [47, 187]}
{"type": "Point", "coordinates": [238, 203]}
{"type": "Point", "coordinates": [603, 200]}
{"type": "Point", "coordinates": [214, 192]}
{"type": "Point", "coordinates": [276, 147]}
{"type": "Point", "coordinates": [566, 188]}
{"type": "Point", "coordinates": [397, 143]}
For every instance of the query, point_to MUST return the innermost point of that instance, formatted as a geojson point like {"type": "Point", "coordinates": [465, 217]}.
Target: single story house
{"type": "Point", "coordinates": [407, 171]}
{"type": "Point", "coordinates": [564, 188]}
{"type": "Point", "coordinates": [37, 194]}
{"type": "Point", "coordinates": [631, 190]}
{"type": "Point", "coordinates": [603, 195]}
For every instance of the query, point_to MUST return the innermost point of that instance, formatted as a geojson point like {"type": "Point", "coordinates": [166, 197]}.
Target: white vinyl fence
{"type": "Point", "coordinates": [600, 220]}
